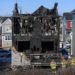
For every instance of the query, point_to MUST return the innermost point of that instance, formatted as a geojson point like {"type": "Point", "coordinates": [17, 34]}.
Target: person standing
{"type": "Point", "coordinates": [53, 66]}
{"type": "Point", "coordinates": [63, 62]}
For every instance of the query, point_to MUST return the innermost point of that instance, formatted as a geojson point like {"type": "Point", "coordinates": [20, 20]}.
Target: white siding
{"type": "Point", "coordinates": [7, 33]}
{"type": "Point", "coordinates": [73, 38]}
{"type": "Point", "coordinates": [7, 26]}
{"type": "Point", "coordinates": [6, 42]}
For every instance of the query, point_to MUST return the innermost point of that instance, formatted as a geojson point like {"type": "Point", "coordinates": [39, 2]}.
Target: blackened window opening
{"type": "Point", "coordinates": [47, 46]}
{"type": "Point", "coordinates": [23, 46]}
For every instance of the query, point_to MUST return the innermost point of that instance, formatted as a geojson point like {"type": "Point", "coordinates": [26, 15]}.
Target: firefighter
{"type": "Point", "coordinates": [69, 62]}
{"type": "Point", "coordinates": [73, 61]}
{"type": "Point", "coordinates": [63, 62]}
{"type": "Point", "coordinates": [53, 66]}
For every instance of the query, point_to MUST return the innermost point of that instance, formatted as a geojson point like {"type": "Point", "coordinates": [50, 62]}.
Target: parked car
{"type": "Point", "coordinates": [5, 59]}
{"type": "Point", "coordinates": [5, 56]}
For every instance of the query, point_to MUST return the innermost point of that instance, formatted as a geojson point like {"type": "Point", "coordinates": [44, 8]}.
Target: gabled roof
{"type": "Point", "coordinates": [2, 19]}
{"type": "Point", "coordinates": [7, 22]}
{"type": "Point", "coordinates": [68, 16]}
{"type": "Point", "coordinates": [73, 11]}
{"type": "Point", "coordinates": [41, 11]}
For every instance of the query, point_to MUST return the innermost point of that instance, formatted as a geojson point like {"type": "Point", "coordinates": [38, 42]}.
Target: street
{"type": "Point", "coordinates": [21, 71]}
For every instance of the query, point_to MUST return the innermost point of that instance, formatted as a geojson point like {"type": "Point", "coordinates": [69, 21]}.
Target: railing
{"type": "Point", "coordinates": [42, 59]}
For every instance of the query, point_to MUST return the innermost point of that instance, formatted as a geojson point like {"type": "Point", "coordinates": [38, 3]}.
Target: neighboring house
{"type": "Point", "coordinates": [6, 32]}
{"type": "Point", "coordinates": [73, 32]}
{"type": "Point", "coordinates": [67, 30]}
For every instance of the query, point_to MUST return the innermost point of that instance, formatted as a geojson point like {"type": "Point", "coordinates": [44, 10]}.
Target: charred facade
{"type": "Point", "coordinates": [38, 31]}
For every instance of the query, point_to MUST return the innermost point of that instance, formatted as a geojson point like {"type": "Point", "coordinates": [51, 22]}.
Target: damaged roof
{"type": "Point", "coordinates": [68, 16]}
{"type": "Point", "coordinates": [42, 11]}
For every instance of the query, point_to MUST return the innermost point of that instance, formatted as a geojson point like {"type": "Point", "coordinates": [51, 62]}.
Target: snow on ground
{"type": "Point", "coordinates": [19, 59]}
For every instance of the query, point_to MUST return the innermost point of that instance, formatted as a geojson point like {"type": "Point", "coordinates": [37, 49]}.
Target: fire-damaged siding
{"type": "Point", "coordinates": [41, 26]}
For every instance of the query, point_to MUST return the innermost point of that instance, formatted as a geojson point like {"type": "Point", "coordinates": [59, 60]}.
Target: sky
{"type": "Point", "coordinates": [29, 6]}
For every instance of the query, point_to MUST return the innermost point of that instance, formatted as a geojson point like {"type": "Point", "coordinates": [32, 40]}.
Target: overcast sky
{"type": "Point", "coordinates": [29, 6]}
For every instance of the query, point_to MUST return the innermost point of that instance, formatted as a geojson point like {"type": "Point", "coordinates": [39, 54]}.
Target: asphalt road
{"type": "Point", "coordinates": [65, 71]}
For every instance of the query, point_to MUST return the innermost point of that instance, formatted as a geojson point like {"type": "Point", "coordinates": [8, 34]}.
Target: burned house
{"type": "Point", "coordinates": [37, 31]}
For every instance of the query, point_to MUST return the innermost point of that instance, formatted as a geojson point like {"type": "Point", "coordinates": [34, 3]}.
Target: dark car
{"type": "Point", "coordinates": [5, 59]}
{"type": "Point", "coordinates": [5, 56]}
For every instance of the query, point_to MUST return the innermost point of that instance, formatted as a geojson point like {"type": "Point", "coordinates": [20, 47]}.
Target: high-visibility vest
{"type": "Point", "coordinates": [63, 63]}
{"type": "Point", "coordinates": [53, 65]}
{"type": "Point", "coordinates": [73, 62]}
